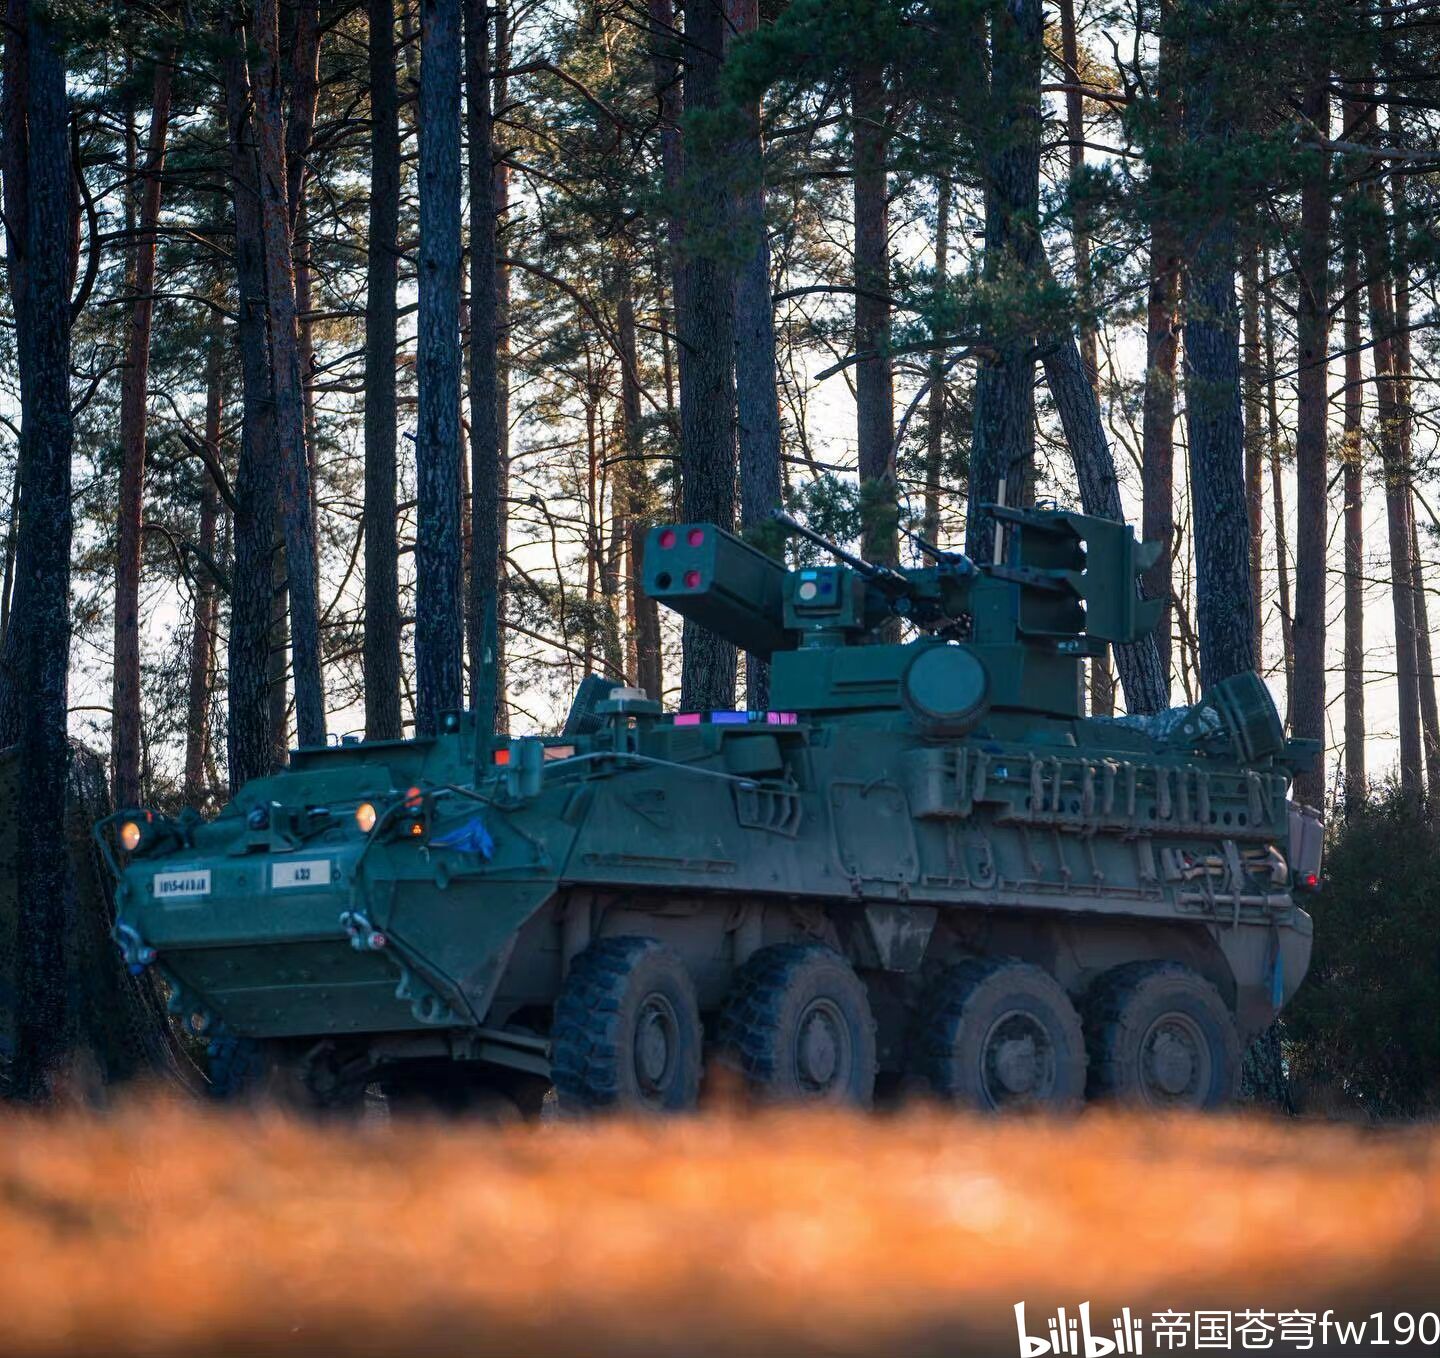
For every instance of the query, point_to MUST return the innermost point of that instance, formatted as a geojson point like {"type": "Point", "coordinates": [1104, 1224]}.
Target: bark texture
{"type": "Point", "coordinates": [381, 658]}
{"type": "Point", "coordinates": [206, 590]}
{"type": "Point", "coordinates": [134, 391]}
{"type": "Point", "coordinates": [257, 474]}
{"type": "Point", "coordinates": [1212, 394]}
{"type": "Point", "coordinates": [34, 665]}
{"type": "Point", "coordinates": [1356, 782]}
{"type": "Point", "coordinates": [757, 398]}
{"type": "Point", "coordinates": [438, 632]}
{"type": "Point", "coordinates": [874, 373]}
{"type": "Point", "coordinates": [1307, 709]}
{"type": "Point", "coordinates": [288, 379]}
{"type": "Point", "coordinates": [487, 471]}
{"type": "Point", "coordinates": [705, 322]}
{"type": "Point", "coordinates": [1162, 329]}
{"type": "Point", "coordinates": [1002, 445]}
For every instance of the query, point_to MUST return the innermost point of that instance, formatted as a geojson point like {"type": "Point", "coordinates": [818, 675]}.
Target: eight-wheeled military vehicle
{"type": "Point", "coordinates": [922, 866]}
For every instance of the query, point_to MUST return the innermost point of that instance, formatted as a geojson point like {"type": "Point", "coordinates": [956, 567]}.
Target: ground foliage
{"type": "Point", "coordinates": [1364, 1032]}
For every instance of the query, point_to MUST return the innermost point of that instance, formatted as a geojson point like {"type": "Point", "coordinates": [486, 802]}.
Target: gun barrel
{"type": "Point", "coordinates": [891, 581]}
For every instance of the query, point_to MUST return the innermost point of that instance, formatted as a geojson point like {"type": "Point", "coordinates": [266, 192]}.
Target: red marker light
{"type": "Point", "coordinates": [667, 538]}
{"type": "Point", "coordinates": [695, 537]}
{"type": "Point", "coordinates": [692, 579]}
{"type": "Point", "coordinates": [413, 798]}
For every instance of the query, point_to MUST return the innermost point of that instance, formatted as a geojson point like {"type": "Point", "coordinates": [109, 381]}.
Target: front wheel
{"type": "Point", "coordinates": [626, 1034]}
{"type": "Point", "coordinates": [317, 1077]}
{"type": "Point", "coordinates": [1161, 1036]}
{"type": "Point", "coordinates": [798, 1027]}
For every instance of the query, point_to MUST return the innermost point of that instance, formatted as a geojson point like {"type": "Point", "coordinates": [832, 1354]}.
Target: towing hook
{"type": "Point", "coordinates": [364, 936]}
{"type": "Point", "coordinates": [137, 953]}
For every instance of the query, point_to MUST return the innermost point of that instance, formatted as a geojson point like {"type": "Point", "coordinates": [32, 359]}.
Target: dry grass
{"type": "Point", "coordinates": [167, 1229]}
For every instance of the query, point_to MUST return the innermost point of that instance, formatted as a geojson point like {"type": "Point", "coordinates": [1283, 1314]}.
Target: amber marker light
{"type": "Point", "coordinates": [417, 828]}
{"type": "Point", "coordinates": [130, 836]}
{"type": "Point", "coordinates": [365, 817]}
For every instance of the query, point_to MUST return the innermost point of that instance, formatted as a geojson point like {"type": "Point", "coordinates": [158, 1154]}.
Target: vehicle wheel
{"type": "Point", "coordinates": [1002, 1036]}
{"type": "Point", "coordinates": [626, 1033]}
{"type": "Point", "coordinates": [317, 1079]}
{"type": "Point", "coordinates": [798, 1027]}
{"type": "Point", "coordinates": [236, 1066]}
{"type": "Point", "coordinates": [1160, 1035]}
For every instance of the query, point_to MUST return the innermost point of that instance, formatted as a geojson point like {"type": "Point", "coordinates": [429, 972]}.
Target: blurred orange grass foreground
{"type": "Point", "coordinates": [166, 1229]}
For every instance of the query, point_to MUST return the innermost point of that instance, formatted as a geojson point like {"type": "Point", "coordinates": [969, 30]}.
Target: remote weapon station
{"type": "Point", "coordinates": [923, 869]}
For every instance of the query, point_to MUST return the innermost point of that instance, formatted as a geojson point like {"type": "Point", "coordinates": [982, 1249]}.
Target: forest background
{"type": "Point", "coordinates": [346, 346]}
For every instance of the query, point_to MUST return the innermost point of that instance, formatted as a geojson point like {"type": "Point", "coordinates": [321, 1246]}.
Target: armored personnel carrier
{"type": "Point", "coordinates": [923, 868]}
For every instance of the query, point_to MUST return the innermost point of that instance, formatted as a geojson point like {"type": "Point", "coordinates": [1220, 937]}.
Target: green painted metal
{"type": "Point", "coordinates": [911, 803]}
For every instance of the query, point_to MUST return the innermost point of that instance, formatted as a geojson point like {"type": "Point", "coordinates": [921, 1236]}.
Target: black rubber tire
{"type": "Point", "coordinates": [1002, 1035]}
{"type": "Point", "coordinates": [236, 1067]}
{"type": "Point", "coordinates": [778, 997]}
{"type": "Point", "coordinates": [1134, 1008]}
{"type": "Point", "coordinates": [617, 991]}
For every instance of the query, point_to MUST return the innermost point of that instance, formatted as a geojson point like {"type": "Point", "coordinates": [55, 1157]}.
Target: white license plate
{"type": "Point", "coordinates": [169, 885]}
{"type": "Point", "coordinates": [305, 872]}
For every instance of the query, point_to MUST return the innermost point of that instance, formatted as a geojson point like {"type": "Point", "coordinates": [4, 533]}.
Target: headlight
{"type": "Point", "coordinates": [365, 817]}
{"type": "Point", "coordinates": [130, 836]}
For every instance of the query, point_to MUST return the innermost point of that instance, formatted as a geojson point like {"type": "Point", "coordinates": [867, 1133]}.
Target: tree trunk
{"type": "Point", "coordinates": [1141, 674]}
{"type": "Point", "coordinates": [1425, 663]}
{"type": "Point", "coordinates": [874, 374]}
{"type": "Point", "coordinates": [1212, 395]}
{"type": "Point", "coordinates": [757, 400]}
{"type": "Point", "coordinates": [1312, 413]}
{"type": "Point", "coordinates": [1356, 782]}
{"type": "Point", "coordinates": [500, 100]}
{"type": "Point", "coordinates": [1253, 371]}
{"type": "Point", "coordinates": [289, 396]}
{"type": "Point", "coordinates": [134, 389]}
{"type": "Point", "coordinates": [487, 506]}
{"type": "Point", "coordinates": [1277, 490]}
{"type": "Point", "coordinates": [1002, 446]}
{"type": "Point", "coordinates": [1080, 232]}
{"type": "Point", "coordinates": [381, 657]}
{"type": "Point", "coordinates": [935, 397]}
{"type": "Point", "coordinates": [1397, 515]}
{"type": "Point", "coordinates": [257, 474]}
{"type": "Point", "coordinates": [1102, 682]}
{"type": "Point", "coordinates": [1162, 329]}
{"type": "Point", "coordinates": [644, 611]}
{"type": "Point", "coordinates": [202, 635]}
{"type": "Point", "coordinates": [34, 667]}
{"type": "Point", "coordinates": [705, 321]}
{"type": "Point", "coordinates": [438, 632]}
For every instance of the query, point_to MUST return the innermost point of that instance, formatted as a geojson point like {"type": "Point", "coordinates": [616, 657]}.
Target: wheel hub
{"type": "Point", "coordinates": [1174, 1060]}
{"type": "Point", "coordinates": [1017, 1060]}
{"type": "Point", "coordinates": [822, 1047]}
{"type": "Point", "coordinates": [655, 1039]}
{"type": "Point", "coordinates": [1016, 1066]}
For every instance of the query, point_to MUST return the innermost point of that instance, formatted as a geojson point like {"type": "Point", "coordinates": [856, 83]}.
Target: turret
{"type": "Point", "coordinates": [1063, 586]}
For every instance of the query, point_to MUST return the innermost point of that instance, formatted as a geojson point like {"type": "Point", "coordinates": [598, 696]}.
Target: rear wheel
{"type": "Point", "coordinates": [798, 1027]}
{"type": "Point", "coordinates": [1161, 1036]}
{"type": "Point", "coordinates": [1002, 1036]}
{"type": "Point", "coordinates": [627, 1034]}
